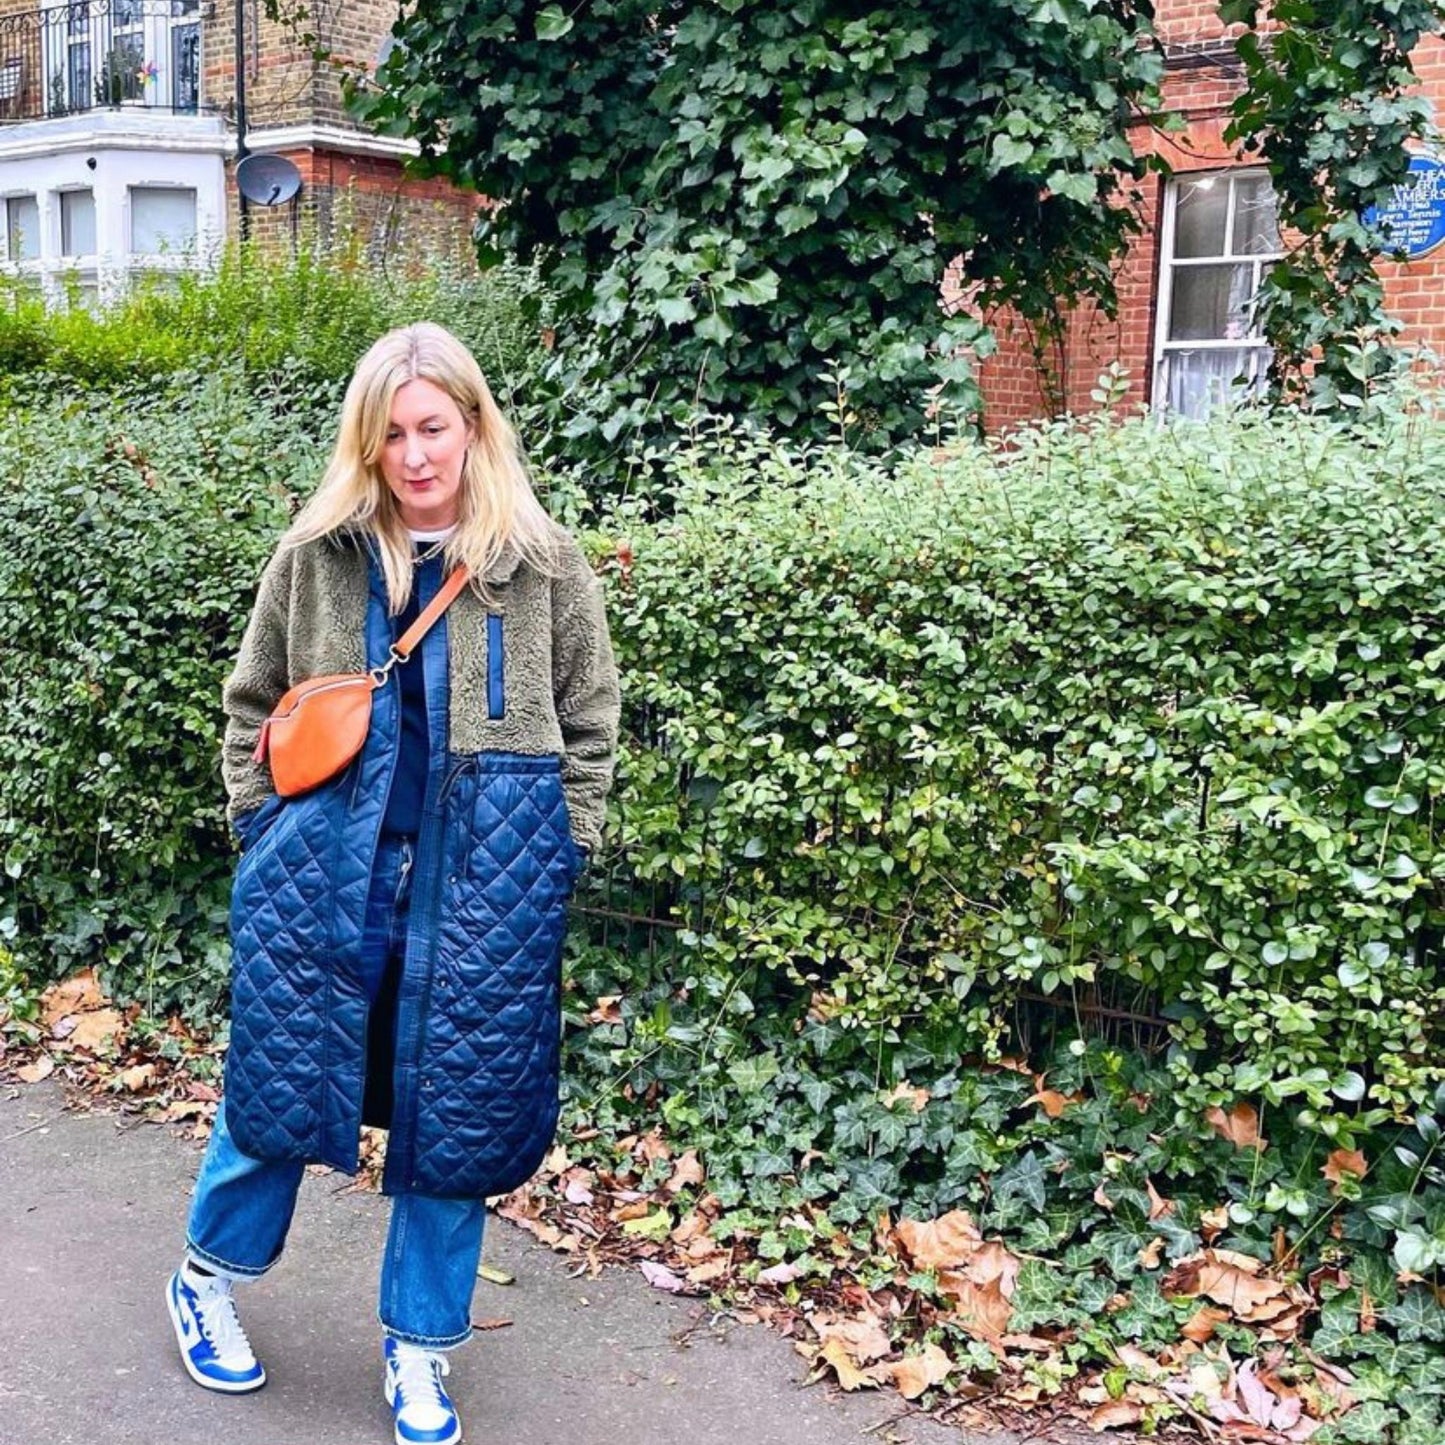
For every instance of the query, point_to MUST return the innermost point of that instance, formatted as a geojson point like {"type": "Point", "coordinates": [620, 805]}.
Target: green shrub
{"type": "Point", "coordinates": [135, 528]}
{"type": "Point", "coordinates": [306, 316]}
{"type": "Point", "coordinates": [1145, 714]}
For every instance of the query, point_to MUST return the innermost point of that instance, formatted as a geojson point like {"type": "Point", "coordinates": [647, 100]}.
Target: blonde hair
{"type": "Point", "coordinates": [497, 508]}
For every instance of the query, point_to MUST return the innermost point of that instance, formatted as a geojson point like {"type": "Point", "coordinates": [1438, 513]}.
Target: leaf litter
{"type": "Point", "coordinates": [650, 1210]}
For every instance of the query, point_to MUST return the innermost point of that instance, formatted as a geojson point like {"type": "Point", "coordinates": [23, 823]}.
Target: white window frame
{"type": "Point", "coordinates": [183, 258]}
{"type": "Point", "coordinates": [7, 241]}
{"type": "Point", "coordinates": [1251, 341]}
{"type": "Point", "coordinates": [61, 193]}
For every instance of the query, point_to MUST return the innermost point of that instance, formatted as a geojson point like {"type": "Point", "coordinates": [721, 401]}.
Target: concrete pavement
{"type": "Point", "coordinates": [92, 1209]}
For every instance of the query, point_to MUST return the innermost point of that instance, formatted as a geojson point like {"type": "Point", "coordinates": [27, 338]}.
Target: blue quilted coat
{"type": "Point", "coordinates": [478, 1016]}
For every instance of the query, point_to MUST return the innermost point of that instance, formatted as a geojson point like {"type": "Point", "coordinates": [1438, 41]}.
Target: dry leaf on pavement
{"type": "Point", "coordinates": [835, 1353]}
{"type": "Point", "coordinates": [863, 1338]}
{"type": "Point", "coordinates": [660, 1277]}
{"type": "Point", "coordinates": [916, 1373]}
{"type": "Point", "coordinates": [42, 1068]}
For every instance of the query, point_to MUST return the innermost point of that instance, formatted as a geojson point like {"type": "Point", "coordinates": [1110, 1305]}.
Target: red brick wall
{"type": "Point", "coordinates": [1200, 85]}
{"type": "Point", "coordinates": [370, 201]}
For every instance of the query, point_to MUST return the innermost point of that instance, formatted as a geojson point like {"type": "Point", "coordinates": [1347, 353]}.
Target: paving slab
{"type": "Point", "coordinates": [92, 1214]}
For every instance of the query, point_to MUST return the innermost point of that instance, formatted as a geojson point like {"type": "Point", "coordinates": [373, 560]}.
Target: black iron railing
{"type": "Point", "coordinates": [66, 58]}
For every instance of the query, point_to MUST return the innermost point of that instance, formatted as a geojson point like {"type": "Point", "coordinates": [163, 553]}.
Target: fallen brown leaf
{"type": "Point", "coordinates": [708, 1270]}
{"type": "Point", "coordinates": [1115, 1415]}
{"type": "Point", "coordinates": [1202, 1324]}
{"type": "Point", "coordinates": [1213, 1223]}
{"type": "Point", "coordinates": [96, 1030]}
{"type": "Point", "coordinates": [1159, 1207]}
{"type": "Point", "coordinates": [850, 1377]}
{"type": "Point", "coordinates": [608, 1010]}
{"type": "Point", "coordinates": [1235, 1281]}
{"type": "Point", "coordinates": [863, 1338]}
{"type": "Point", "coordinates": [136, 1077]}
{"type": "Point", "coordinates": [1240, 1125]}
{"type": "Point", "coordinates": [1052, 1102]}
{"type": "Point", "coordinates": [72, 995]}
{"type": "Point", "coordinates": [915, 1374]}
{"type": "Point", "coordinates": [939, 1243]}
{"type": "Point", "coordinates": [917, 1099]}
{"type": "Point", "coordinates": [686, 1172]}
{"type": "Point", "coordinates": [784, 1273]}
{"type": "Point", "coordinates": [1342, 1162]}
{"type": "Point", "coordinates": [660, 1277]}
{"type": "Point", "coordinates": [42, 1068]}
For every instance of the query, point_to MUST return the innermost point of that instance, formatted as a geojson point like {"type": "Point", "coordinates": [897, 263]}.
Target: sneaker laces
{"type": "Point", "coordinates": [221, 1325]}
{"type": "Point", "coordinates": [418, 1381]}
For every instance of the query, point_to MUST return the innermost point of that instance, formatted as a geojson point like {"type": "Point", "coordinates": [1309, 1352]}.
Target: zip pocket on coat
{"type": "Point", "coordinates": [496, 668]}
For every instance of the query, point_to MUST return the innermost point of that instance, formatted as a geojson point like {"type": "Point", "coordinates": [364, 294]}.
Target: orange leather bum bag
{"type": "Point", "coordinates": [320, 724]}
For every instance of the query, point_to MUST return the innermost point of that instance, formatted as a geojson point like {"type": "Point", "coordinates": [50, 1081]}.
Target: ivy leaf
{"type": "Point", "coordinates": [1008, 151]}
{"type": "Point", "coordinates": [553, 23]}
{"type": "Point", "coordinates": [751, 1075]}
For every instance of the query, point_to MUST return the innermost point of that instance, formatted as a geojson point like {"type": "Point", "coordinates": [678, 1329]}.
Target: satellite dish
{"type": "Point", "coordinates": [267, 180]}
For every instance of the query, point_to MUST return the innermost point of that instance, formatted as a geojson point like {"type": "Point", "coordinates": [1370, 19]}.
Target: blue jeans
{"type": "Point", "coordinates": [242, 1207]}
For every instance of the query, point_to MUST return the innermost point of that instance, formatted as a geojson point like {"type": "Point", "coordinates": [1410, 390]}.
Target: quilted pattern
{"type": "Point", "coordinates": [484, 1058]}
{"type": "Point", "coordinates": [479, 1012]}
{"type": "Point", "coordinates": [496, 986]}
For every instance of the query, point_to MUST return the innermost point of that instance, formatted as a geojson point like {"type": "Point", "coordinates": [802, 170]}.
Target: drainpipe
{"type": "Point", "coordinates": [242, 149]}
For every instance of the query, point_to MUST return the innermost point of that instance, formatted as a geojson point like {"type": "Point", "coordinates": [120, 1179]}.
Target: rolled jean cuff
{"type": "Point", "coordinates": [426, 1342]}
{"type": "Point", "coordinates": [224, 1267]}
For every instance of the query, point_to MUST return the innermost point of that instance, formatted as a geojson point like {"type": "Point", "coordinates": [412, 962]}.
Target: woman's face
{"type": "Point", "coordinates": [426, 442]}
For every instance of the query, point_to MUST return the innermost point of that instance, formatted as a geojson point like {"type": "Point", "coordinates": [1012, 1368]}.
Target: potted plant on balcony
{"type": "Point", "coordinates": [120, 80]}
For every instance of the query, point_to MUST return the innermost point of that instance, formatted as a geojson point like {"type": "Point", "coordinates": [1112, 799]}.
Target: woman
{"type": "Point", "coordinates": [397, 931]}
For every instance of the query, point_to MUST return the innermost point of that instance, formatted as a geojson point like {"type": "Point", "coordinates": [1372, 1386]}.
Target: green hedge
{"type": "Point", "coordinates": [300, 320]}
{"type": "Point", "coordinates": [136, 523]}
{"type": "Point", "coordinates": [1145, 714]}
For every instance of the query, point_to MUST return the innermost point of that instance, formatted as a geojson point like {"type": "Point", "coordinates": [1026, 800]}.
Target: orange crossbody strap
{"type": "Point", "coordinates": [446, 595]}
{"type": "Point", "coordinates": [406, 644]}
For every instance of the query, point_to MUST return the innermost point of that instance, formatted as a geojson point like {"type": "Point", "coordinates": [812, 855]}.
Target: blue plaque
{"type": "Point", "coordinates": [1414, 219]}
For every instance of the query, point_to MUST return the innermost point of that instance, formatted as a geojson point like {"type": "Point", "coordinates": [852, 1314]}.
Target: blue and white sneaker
{"type": "Point", "coordinates": [424, 1413]}
{"type": "Point", "coordinates": [214, 1348]}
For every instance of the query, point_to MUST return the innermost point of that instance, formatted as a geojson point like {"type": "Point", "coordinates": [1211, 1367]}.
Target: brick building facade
{"type": "Point", "coordinates": [1183, 333]}
{"type": "Point", "coordinates": [121, 128]}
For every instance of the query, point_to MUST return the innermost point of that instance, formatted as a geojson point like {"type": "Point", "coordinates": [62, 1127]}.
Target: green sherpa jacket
{"type": "Point", "coordinates": [560, 676]}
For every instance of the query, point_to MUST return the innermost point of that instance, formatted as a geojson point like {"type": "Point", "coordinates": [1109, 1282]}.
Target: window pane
{"type": "Point", "coordinates": [77, 223]}
{"type": "Point", "coordinates": [1196, 381]}
{"type": "Point", "coordinates": [1256, 230]}
{"type": "Point", "coordinates": [1199, 216]}
{"type": "Point", "coordinates": [1211, 303]}
{"type": "Point", "coordinates": [22, 225]}
{"type": "Point", "coordinates": [161, 220]}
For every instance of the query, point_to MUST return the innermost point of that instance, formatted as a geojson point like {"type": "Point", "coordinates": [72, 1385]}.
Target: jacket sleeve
{"type": "Point", "coordinates": [254, 687]}
{"type": "Point", "coordinates": [587, 697]}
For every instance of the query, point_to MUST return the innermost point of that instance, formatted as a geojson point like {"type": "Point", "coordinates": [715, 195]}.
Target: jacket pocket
{"type": "Point", "coordinates": [252, 826]}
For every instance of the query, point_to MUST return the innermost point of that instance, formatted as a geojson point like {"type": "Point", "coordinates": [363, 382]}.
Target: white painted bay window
{"type": "Point", "coordinates": [22, 228]}
{"type": "Point", "coordinates": [1220, 234]}
{"type": "Point", "coordinates": [162, 220]}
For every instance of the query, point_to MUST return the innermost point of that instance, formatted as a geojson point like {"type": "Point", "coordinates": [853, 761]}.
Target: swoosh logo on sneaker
{"type": "Point", "coordinates": [190, 1331]}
